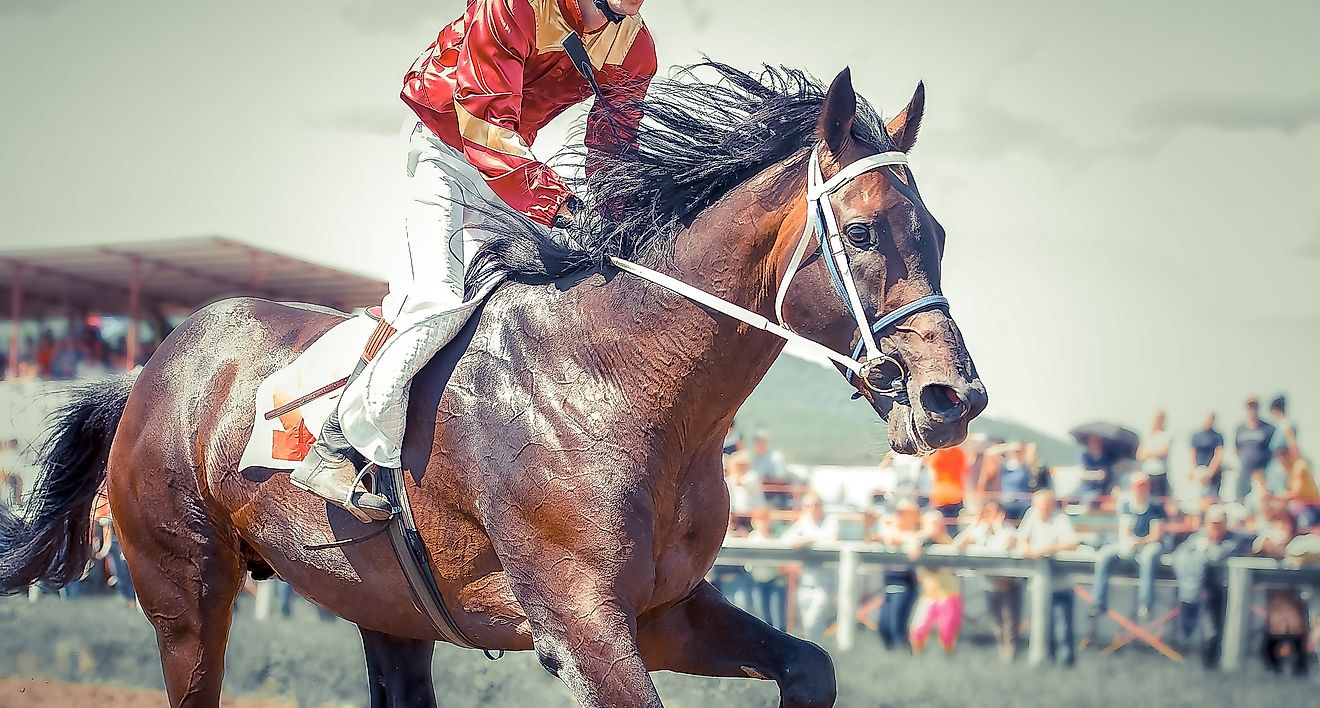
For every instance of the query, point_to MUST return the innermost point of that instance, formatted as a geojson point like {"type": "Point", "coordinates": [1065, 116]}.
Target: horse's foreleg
{"type": "Point", "coordinates": [708, 636]}
{"type": "Point", "coordinates": [588, 641]}
{"type": "Point", "coordinates": [582, 631]}
{"type": "Point", "coordinates": [398, 670]}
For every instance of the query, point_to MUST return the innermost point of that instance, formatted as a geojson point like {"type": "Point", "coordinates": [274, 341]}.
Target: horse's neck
{"type": "Point", "coordinates": [710, 361]}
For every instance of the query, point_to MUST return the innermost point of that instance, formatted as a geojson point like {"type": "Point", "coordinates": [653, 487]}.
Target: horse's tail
{"type": "Point", "coordinates": [50, 540]}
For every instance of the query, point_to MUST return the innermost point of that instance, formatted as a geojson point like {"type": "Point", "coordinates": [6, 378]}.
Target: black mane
{"type": "Point", "coordinates": [698, 140]}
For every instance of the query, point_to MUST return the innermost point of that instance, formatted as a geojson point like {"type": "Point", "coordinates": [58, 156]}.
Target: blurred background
{"type": "Point", "coordinates": [1129, 195]}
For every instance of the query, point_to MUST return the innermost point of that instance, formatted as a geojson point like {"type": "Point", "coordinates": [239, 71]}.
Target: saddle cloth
{"type": "Point", "coordinates": [283, 441]}
{"type": "Point", "coordinates": [295, 401]}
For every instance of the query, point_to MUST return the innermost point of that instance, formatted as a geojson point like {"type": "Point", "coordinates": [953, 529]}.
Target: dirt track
{"type": "Point", "coordinates": [308, 661]}
{"type": "Point", "coordinates": [43, 693]}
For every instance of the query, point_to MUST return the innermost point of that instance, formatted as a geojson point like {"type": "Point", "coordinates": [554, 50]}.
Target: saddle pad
{"type": "Point", "coordinates": [281, 443]}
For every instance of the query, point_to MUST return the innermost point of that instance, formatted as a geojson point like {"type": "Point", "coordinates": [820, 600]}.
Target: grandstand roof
{"type": "Point", "coordinates": [175, 276]}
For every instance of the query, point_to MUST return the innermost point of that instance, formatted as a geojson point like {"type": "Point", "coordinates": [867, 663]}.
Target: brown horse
{"type": "Point", "coordinates": [564, 456]}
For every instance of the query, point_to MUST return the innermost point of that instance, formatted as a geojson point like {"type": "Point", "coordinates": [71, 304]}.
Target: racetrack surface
{"type": "Point", "coordinates": [308, 661]}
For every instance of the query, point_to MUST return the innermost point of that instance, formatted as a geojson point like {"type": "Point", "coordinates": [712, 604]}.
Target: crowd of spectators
{"type": "Point", "coordinates": [82, 351]}
{"type": "Point", "coordinates": [1135, 509]}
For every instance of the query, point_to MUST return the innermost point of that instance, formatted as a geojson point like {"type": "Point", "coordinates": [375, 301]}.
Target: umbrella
{"type": "Point", "coordinates": [1119, 441]}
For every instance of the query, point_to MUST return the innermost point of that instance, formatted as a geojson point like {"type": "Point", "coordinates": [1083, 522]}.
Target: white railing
{"type": "Point", "coordinates": [850, 557]}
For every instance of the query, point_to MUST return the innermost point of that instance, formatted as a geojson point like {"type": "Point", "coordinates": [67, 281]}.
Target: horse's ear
{"type": "Point", "coordinates": [837, 113]}
{"type": "Point", "coordinates": [903, 128]}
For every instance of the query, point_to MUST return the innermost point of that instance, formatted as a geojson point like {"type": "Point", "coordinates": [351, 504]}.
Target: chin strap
{"type": "Point", "coordinates": [610, 14]}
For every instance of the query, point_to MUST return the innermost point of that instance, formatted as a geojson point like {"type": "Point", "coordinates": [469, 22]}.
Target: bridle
{"type": "Point", "coordinates": [821, 222]}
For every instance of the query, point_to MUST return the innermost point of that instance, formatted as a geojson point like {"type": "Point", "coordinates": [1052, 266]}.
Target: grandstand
{"type": "Point", "coordinates": [163, 279]}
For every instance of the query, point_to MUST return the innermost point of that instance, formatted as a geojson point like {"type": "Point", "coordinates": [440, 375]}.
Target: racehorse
{"type": "Point", "coordinates": [563, 457]}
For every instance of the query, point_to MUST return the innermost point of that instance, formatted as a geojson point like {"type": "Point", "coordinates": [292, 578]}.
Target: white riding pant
{"type": "Point", "coordinates": [446, 208]}
{"type": "Point", "coordinates": [442, 229]}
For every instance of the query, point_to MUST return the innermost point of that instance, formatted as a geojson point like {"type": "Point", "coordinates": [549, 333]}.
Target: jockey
{"type": "Point", "coordinates": [492, 79]}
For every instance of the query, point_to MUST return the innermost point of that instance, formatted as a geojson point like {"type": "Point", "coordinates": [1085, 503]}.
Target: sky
{"type": "Point", "coordinates": [1129, 188]}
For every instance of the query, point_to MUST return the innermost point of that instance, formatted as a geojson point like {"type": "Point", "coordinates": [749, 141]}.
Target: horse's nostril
{"type": "Point", "coordinates": [943, 402]}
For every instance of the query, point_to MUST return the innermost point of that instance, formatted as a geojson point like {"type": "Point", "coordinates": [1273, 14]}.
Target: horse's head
{"type": "Point", "coordinates": [922, 381]}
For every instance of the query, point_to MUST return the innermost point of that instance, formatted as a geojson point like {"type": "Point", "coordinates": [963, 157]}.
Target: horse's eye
{"type": "Point", "coordinates": [858, 233]}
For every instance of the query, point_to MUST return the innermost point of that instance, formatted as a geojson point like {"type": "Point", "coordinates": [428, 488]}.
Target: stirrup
{"type": "Point", "coordinates": [322, 480]}
{"type": "Point", "coordinates": [354, 505]}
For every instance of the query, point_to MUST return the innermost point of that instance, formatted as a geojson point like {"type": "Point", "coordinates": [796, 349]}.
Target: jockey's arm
{"type": "Point", "coordinates": [488, 101]}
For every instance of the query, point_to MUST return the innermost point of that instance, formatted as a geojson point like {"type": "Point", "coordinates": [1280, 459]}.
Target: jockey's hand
{"type": "Point", "coordinates": [566, 217]}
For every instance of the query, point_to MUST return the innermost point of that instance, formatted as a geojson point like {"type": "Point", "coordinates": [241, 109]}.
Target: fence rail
{"type": "Point", "coordinates": [851, 557]}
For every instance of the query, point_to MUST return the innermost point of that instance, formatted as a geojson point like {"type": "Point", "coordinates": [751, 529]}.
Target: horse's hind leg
{"type": "Point", "coordinates": [187, 574]}
{"type": "Point", "coordinates": [398, 670]}
{"type": "Point", "coordinates": [708, 636]}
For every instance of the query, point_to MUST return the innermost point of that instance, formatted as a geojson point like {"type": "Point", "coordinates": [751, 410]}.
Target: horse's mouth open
{"type": "Point", "coordinates": [928, 426]}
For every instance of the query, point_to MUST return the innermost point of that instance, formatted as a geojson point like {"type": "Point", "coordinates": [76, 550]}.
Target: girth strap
{"type": "Point", "coordinates": [415, 561]}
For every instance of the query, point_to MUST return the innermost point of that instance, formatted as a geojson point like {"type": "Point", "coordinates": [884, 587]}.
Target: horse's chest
{"type": "Point", "coordinates": [689, 535]}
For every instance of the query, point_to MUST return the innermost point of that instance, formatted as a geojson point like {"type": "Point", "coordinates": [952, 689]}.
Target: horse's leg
{"type": "Point", "coordinates": [187, 574]}
{"type": "Point", "coordinates": [399, 670]}
{"type": "Point", "coordinates": [583, 632]}
{"type": "Point", "coordinates": [708, 636]}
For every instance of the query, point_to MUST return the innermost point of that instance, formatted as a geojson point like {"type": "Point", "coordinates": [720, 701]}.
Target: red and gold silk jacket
{"type": "Point", "coordinates": [498, 74]}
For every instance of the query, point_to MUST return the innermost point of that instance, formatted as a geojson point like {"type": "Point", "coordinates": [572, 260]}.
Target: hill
{"type": "Point", "coordinates": [807, 411]}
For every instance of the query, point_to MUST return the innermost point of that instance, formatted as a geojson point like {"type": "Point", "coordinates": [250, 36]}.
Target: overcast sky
{"type": "Point", "coordinates": [1129, 189]}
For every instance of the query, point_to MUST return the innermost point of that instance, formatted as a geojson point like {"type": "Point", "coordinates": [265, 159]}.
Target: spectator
{"type": "Point", "coordinates": [109, 550]}
{"type": "Point", "coordinates": [769, 591]}
{"type": "Point", "coordinates": [948, 469]}
{"type": "Point", "coordinates": [1284, 442]}
{"type": "Point", "coordinates": [1286, 614]}
{"type": "Point", "coordinates": [815, 592]}
{"type": "Point", "coordinates": [768, 466]}
{"type": "Point", "coordinates": [45, 353]}
{"type": "Point", "coordinates": [1259, 505]}
{"type": "Point", "coordinates": [989, 533]}
{"type": "Point", "coordinates": [1140, 530]}
{"type": "Point", "coordinates": [1208, 456]}
{"type": "Point", "coordinates": [1253, 449]}
{"type": "Point", "coordinates": [1011, 465]}
{"type": "Point", "coordinates": [732, 439]}
{"type": "Point", "coordinates": [767, 462]}
{"type": "Point", "coordinates": [940, 605]}
{"type": "Point", "coordinates": [1153, 455]}
{"type": "Point", "coordinates": [733, 581]}
{"type": "Point", "coordinates": [1201, 583]}
{"type": "Point", "coordinates": [1045, 531]}
{"type": "Point", "coordinates": [1302, 494]}
{"type": "Point", "coordinates": [1097, 465]}
{"type": "Point", "coordinates": [904, 531]}
{"type": "Point", "coordinates": [745, 493]}
{"type": "Point", "coordinates": [1040, 472]}
{"type": "Point", "coordinates": [11, 484]}
{"type": "Point", "coordinates": [908, 483]}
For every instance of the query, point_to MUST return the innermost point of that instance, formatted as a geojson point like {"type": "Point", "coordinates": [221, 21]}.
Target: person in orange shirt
{"type": "Point", "coordinates": [948, 471]}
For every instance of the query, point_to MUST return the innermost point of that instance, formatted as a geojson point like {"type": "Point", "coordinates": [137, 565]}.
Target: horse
{"type": "Point", "coordinates": [563, 457]}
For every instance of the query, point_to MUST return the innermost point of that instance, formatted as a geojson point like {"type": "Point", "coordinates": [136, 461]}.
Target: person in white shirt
{"type": "Point", "coordinates": [1153, 454]}
{"type": "Point", "coordinates": [745, 493]}
{"type": "Point", "coordinates": [1044, 531]}
{"type": "Point", "coordinates": [989, 533]}
{"type": "Point", "coordinates": [815, 592]}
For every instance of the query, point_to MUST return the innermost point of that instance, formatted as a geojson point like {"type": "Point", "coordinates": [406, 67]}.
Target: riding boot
{"type": "Point", "coordinates": [328, 470]}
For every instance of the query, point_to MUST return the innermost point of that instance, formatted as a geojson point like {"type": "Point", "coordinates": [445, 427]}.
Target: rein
{"type": "Point", "coordinates": [822, 223]}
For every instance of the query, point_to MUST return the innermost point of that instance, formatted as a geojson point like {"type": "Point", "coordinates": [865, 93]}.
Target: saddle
{"type": "Point", "coordinates": [290, 412]}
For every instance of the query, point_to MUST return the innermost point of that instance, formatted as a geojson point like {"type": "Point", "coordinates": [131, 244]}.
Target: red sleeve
{"type": "Point", "coordinates": [612, 124]}
{"type": "Point", "coordinates": [501, 35]}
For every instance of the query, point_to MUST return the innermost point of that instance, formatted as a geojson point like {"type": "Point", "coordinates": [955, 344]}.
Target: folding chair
{"type": "Point", "coordinates": [1137, 631]}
